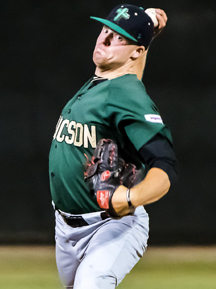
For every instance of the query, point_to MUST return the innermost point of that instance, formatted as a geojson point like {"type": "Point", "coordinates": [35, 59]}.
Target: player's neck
{"type": "Point", "coordinates": [110, 74]}
{"type": "Point", "coordinates": [130, 68]}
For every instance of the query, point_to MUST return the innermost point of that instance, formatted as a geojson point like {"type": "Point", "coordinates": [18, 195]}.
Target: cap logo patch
{"type": "Point", "coordinates": [153, 118]}
{"type": "Point", "coordinates": [122, 13]}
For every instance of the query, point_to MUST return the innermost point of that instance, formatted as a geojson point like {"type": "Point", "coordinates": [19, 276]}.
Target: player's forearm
{"type": "Point", "coordinates": [155, 185]}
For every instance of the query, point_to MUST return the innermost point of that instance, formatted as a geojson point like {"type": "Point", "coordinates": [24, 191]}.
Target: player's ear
{"type": "Point", "coordinates": [139, 51]}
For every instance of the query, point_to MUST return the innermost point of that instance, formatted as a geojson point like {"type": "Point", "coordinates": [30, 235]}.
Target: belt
{"type": "Point", "coordinates": [78, 220]}
{"type": "Point", "coordinates": [74, 221]}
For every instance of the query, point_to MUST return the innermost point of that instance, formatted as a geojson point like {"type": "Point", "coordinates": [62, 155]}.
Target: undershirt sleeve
{"type": "Point", "coordinates": [158, 152]}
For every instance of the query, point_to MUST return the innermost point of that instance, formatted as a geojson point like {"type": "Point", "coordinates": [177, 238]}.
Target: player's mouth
{"type": "Point", "coordinates": [100, 50]}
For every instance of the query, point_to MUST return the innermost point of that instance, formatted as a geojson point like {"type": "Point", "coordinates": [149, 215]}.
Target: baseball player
{"type": "Point", "coordinates": [101, 236]}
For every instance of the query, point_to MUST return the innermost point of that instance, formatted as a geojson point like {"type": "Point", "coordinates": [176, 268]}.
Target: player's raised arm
{"type": "Point", "coordinates": [159, 18]}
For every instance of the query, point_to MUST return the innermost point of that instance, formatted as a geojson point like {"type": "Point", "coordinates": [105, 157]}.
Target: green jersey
{"type": "Point", "coordinates": [118, 109]}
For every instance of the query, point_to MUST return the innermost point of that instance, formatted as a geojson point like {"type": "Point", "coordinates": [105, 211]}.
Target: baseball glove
{"type": "Point", "coordinates": [106, 172]}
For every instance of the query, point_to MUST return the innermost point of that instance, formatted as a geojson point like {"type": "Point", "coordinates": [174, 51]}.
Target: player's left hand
{"type": "Point", "coordinates": [162, 20]}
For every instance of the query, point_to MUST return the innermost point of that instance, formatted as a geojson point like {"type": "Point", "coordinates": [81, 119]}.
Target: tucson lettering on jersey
{"type": "Point", "coordinates": [75, 133]}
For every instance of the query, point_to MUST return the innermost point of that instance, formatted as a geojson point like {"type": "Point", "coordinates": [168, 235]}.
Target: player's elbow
{"type": "Point", "coordinates": [166, 184]}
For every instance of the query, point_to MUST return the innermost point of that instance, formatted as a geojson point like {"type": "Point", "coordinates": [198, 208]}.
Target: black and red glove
{"type": "Point", "coordinates": [106, 172]}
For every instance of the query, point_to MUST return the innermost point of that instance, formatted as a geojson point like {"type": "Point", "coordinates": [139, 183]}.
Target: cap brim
{"type": "Point", "coordinates": [114, 27]}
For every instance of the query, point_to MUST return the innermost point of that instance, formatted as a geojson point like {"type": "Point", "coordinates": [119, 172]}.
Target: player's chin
{"type": "Point", "coordinates": [99, 60]}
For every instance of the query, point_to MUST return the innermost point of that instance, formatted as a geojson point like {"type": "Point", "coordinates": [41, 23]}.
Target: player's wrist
{"type": "Point", "coordinates": [133, 197]}
{"type": "Point", "coordinates": [128, 196]}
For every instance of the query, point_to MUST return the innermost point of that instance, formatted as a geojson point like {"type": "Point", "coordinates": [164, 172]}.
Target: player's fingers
{"type": "Point", "coordinates": [162, 13]}
{"type": "Point", "coordinates": [162, 18]}
{"type": "Point", "coordinates": [161, 22]}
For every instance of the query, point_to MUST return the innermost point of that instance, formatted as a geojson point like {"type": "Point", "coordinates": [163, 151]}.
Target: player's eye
{"type": "Point", "coordinates": [119, 38]}
{"type": "Point", "coordinates": [105, 29]}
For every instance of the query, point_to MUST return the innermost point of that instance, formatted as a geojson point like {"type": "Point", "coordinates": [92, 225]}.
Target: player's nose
{"type": "Point", "coordinates": [108, 38]}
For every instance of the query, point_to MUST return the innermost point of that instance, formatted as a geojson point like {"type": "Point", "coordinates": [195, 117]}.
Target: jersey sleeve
{"type": "Point", "coordinates": [132, 111]}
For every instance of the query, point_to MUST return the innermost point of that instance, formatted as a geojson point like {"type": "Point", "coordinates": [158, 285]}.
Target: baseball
{"type": "Point", "coordinates": [152, 14]}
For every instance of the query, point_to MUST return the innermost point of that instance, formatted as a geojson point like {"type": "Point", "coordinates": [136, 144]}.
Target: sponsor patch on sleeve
{"type": "Point", "coordinates": [153, 118]}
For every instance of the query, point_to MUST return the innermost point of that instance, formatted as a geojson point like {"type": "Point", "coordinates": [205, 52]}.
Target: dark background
{"type": "Point", "coordinates": [46, 55]}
